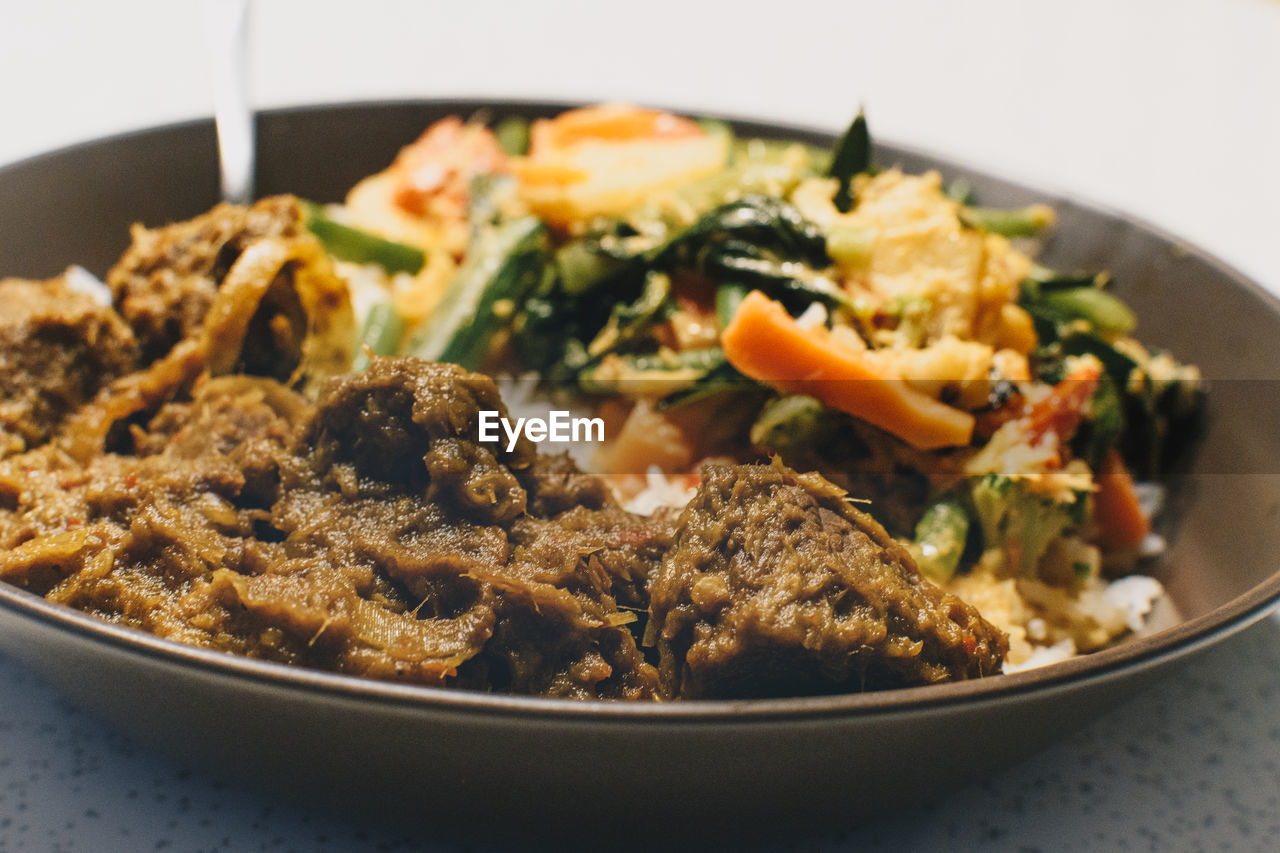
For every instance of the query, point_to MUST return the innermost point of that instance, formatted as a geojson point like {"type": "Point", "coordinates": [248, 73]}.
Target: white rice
{"type": "Point", "coordinates": [81, 280]}
{"type": "Point", "coordinates": [813, 316]}
{"type": "Point", "coordinates": [659, 491]}
{"type": "Point", "coordinates": [1043, 656]}
{"type": "Point", "coordinates": [1134, 596]}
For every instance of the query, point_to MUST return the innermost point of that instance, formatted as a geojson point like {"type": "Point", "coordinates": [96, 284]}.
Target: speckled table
{"type": "Point", "coordinates": [1193, 764]}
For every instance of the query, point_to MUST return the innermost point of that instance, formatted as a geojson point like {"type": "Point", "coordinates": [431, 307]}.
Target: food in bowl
{"type": "Point", "coordinates": [766, 333]}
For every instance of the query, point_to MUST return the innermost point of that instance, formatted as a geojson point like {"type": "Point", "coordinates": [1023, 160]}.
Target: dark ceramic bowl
{"type": "Point", "coordinates": [434, 756]}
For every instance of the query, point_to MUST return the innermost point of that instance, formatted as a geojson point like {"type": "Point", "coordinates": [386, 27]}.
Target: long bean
{"type": "Point", "coordinates": [351, 244]}
{"type": "Point", "coordinates": [381, 334]}
{"type": "Point", "coordinates": [1013, 222]}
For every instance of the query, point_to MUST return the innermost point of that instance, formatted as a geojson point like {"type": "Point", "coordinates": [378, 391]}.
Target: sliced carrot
{"type": "Point", "coordinates": [1062, 411]}
{"type": "Point", "coordinates": [764, 343]}
{"type": "Point", "coordinates": [1117, 514]}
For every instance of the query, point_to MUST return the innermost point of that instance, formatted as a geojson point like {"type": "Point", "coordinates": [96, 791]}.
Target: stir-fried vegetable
{"type": "Point", "coordinates": [1055, 301]}
{"type": "Point", "coordinates": [756, 241]}
{"type": "Point", "coordinates": [852, 156]}
{"type": "Point", "coordinates": [504, 265]}
{"type": "Point", "coordinates": [755, 167]}
{"type": "Point", "coordinates": [719, 380]}
{"type": "Point", "coordinates": [352, 244]}
{"type": "Point", "coordinates": [628, 321]}
{"type": "Point", "coordinates": [940, 538]}
{"type": "Point", "coordinates": [1117, 512]}
{"type": "Point", "coordinates": [513, 135]}
{"type": "Point", "coordinates": [765, 343]}
{"type": "Point", "coordinates": [1147, 405]}
{"type": "Point", "coordinates": [728, 298]}
{"type": "Point", "coordinates": [760, 241]}
{"type": "Point", "coordinates": [1022, 522]}
{"type": "Point", "coordinates": [660, 373]}
{"type": "Point", "coordinates": [1016, 222]}
{"type": "Point", "coordinates": [795, 421]}
{"type": "Point", "coordinates": [762, 222]}
{"type": "Point", "coordinates": [601, 306]}
{"type": "Point", "coordinates": [383, 328]}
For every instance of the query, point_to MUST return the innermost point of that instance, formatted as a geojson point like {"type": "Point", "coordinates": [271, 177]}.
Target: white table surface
{"type": "Point", "coordinates": [1169, 109]}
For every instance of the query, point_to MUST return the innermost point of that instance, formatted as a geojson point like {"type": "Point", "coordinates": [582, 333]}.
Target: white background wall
{"type": "Point", "coordinates": [1166, 108]}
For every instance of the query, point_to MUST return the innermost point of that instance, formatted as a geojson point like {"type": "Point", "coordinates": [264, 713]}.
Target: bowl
{"type": "Point", "coordinates": [446, 758]}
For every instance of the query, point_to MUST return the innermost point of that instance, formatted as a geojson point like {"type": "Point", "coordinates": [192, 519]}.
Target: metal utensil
{"type": "Point", "coordinates": [225, 35]}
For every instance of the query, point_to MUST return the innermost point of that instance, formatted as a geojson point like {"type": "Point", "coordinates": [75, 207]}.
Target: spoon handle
{"type": "Point", "coordinates": [225, 31]}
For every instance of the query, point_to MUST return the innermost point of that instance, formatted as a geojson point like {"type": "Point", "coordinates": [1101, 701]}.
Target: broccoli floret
{"type": "Point", "coordinates": [1021, 522]}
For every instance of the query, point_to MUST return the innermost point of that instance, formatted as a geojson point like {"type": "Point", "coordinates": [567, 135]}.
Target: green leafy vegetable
{"type": "Point", "coordinates": [628, 321]}
{"type": "Point", "coordinates": [762, 221]}
{"type": "Point", "coordinates": [584, 264]}
{"type": "Point", "coordinates": [1164, 415]}
{"type": "Point", "coordinates": [757, 241]}
{"type": "Point", "coordinates": [852, 156]}
{"type": "Point", "coordinates": [1117, 364]}
{"type": "Point", "coordinates": [1149, 417]}
{"type": "Point", "coordinates": [754, 241]}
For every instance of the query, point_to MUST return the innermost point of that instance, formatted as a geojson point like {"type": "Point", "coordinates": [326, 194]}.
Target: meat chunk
{"type": "Point", "coordinates": [370, 533]}
{"type": "Point", "coordinates": [137, 538]}
{"type": "Point", "coordinates": [777, 586]}
{"type": "Point", "coordinates": [165, 282]}
{"type": "Point", "coordinates": [555, 484]}
{"type": "Point", "coordinates": [626, 546]}
{"type": "Point", "coordinates": [57, 348]}
{"type": "Point", "coordinates": [388, 473]}
{"type": "Point", "coordinates": [411, 423]}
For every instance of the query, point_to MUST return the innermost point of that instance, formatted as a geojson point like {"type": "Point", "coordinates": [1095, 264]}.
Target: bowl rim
{"type": "Point", "coordinates": [1096, 667]}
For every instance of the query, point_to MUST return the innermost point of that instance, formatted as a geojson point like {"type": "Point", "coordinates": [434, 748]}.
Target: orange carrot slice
{"type": "Point", "coordinates": [1116, 512]}
{"type": "Point", "coordinates": [764, 342]}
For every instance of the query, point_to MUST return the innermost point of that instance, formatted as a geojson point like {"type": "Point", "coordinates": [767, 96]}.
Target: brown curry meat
{"type": "Point", "coordinates": [165, 282]}
{"type": "Point", "coordinates": [358, 525]}
{"type": "Point", "coordinates": [57, 348]}
{"type": "Point", "coordinates": [366, 534]}
{"type": "Point", "coordinates": [777, 585]}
